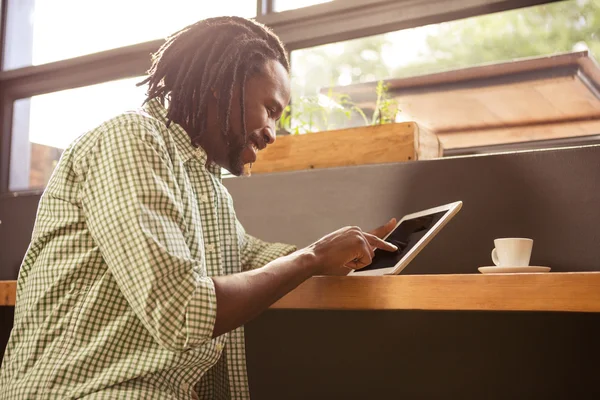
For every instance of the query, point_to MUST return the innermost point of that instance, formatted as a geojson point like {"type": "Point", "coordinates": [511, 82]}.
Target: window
{"type": "Point", "coordinates": [42, 31]}
{"type": "Point", "coordinates": [43, 126]}
{"type": "Point", "coordinates": [354, 67]}
{"type": "Point", "coordinates": [285, 5]}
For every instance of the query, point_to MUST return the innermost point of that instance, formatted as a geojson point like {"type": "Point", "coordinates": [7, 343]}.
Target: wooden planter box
{"type": "Point", "coordinates": [378, 144]}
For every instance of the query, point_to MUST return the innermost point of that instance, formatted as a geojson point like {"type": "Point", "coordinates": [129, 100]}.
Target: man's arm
{"type": "Point", "coordinates": [281, 271]}
{"type": "Point", "coordinates": [256, 253]}
{"type": "Point", "coordinates": [241, 297]}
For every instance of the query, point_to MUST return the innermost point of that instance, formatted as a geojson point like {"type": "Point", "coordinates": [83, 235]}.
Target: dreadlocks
{"type": "Point", "coordinates": [212, 54]}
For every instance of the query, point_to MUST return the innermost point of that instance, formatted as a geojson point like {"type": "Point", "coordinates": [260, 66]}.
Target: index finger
{"type": "Point", "coordinates": [380, 243]}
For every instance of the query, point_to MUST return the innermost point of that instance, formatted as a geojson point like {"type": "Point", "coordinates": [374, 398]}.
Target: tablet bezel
{"type": "Point", "coordinates": [451, 210]}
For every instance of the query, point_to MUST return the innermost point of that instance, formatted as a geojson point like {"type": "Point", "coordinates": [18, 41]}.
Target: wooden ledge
{"type": "Point", "coordinates": [573, 292]}
{"type": "Point", "coordinates": [576, 291]}
{"type": "Point", "coordinates": [8, 293]}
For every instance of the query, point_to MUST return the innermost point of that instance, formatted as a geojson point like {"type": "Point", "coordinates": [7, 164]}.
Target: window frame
{"type": "Point", "coordinates": [301, 28]}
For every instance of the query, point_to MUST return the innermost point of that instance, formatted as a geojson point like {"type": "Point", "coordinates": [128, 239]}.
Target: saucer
{"type": "Point", "coordinates": [512, 270]}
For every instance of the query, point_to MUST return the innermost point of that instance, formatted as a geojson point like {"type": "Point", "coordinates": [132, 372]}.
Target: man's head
{"type": "Point", "coordinates": [226, 81]}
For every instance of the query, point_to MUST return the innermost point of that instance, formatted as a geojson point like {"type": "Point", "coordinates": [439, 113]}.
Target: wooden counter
{"type": "Point", "coordinates": [573, 291]}
{"type": "Point", "coordinates": [8, 293]}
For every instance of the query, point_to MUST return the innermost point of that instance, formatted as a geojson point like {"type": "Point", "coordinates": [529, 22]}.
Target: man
{"type": "Point", "coordinates": [134, 284]}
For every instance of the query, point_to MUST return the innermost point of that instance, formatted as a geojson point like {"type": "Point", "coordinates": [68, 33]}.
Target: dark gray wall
{"type": "Point", "coordinates": [552, 196]}
{"type": "Point", "coordinates": [17, 216]}
{"type": "Point", "coordinates": [423, 355]}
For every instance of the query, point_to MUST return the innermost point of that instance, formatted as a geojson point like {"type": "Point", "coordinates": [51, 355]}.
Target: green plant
{"type": "Point", "coordinates": [335, 111]}
{"type": "Point", "coordinates": [386, 108]}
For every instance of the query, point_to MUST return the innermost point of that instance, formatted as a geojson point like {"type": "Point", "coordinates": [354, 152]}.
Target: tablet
{"type": "Point", "coordinates": [411, 235]}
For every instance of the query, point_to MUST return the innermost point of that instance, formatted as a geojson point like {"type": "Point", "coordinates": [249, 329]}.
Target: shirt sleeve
{"type": "Point", "coordinates": [134, 210]}
{"type": "Point", "coordinates": [256, 253]}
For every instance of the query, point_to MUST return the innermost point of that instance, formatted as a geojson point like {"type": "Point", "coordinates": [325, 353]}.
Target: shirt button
{"type": "Point", "coordinates": [210, 247]}
{"type": "Point", "coordinates": [219, 347]}
{"type": "Point", "coordinates": [204, 198]}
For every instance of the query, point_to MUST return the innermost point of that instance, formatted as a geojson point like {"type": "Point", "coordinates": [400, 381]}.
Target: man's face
{"type": "Point", "coordinates": [267, 93]}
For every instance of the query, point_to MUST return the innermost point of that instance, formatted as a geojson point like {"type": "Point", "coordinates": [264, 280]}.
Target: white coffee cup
{"type": "Point", "coordinates": [512, 252]}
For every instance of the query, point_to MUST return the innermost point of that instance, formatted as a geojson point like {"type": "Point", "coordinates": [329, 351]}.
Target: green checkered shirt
{"type": "Point", "coordinates": [114, 297]}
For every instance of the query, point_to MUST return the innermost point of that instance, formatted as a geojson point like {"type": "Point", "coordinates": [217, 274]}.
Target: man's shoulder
{"type": "Point", "coordinates": [127, 127]}
{"type": "Point", "coordinates": [137, 123]}
{"type": "Point", "coordinates": [140, 117]}
{"type": "Point", "coordinates": [132, 125]}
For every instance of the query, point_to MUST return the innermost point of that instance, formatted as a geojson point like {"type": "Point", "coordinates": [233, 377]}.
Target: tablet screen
{"type": "Point", "coordinates": [405, 236]}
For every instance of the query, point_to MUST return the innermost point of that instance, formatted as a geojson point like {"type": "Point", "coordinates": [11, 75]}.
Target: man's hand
{"type": "Point", "coordinates": [383, 230]}
{"type": "Point", "coordinates": [241, 297]}
{"type": "Point", "coordinates": [380, 232]}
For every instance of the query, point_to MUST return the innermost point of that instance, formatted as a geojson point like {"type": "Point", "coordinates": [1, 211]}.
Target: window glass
{"type": "Point", "coordinates": [323, 77]}
{"type": "Point", "coordinates": [42, 31]}
{"type": "Point", "coordinates": [43, 126]}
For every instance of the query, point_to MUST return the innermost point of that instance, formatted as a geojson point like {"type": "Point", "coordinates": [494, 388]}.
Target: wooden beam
{"type": "Point", "coordinates": [519, 134]}
{"type": "Point", "coordinates": [8, 293]}
{"type": "Point", "coordinates": [513, 71]}
{"type": "Point", "coordinates": [573, 292]}
{"type": "Point", "coordinates": [350, 19]}
{"type": "Point", "coordinates": [119, 63]}
{"type": "Point", "coordinates": [567, 292]}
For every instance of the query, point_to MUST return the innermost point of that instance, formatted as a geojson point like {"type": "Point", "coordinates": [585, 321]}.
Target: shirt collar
{"type": "Point", "coordinates": [181, 138]}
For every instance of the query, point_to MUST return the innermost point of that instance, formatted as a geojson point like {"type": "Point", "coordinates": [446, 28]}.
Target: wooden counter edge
{"type": "Point", "coordinates": [569, 291]}
{"type": "Point", "coordinates": [8, 293]}
{"type": "Point", "coordinates": [572, 292]}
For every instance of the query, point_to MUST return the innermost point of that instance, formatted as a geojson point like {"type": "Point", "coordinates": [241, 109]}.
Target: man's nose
{"type": "Point", "coordinates": [268, 134]}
